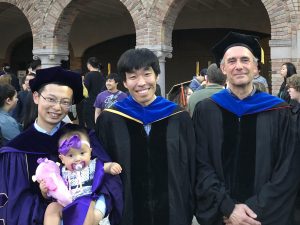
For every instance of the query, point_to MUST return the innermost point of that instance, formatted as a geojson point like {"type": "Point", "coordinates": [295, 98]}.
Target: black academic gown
{"type": "Point", "coordinates": [248, 160]}
{"type": "Point", "coordinates": [158, 170]}
{"type": "Point", "coordinates": [296, 122]}
{"type": "Point", "coordinates": [21, 202]}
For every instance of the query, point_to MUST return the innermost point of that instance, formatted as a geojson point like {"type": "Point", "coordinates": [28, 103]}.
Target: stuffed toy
{"type": "Point", "coordinates": [49, 172]}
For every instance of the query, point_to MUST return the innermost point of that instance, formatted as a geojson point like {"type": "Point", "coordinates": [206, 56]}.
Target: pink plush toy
{"type": "Point", "coordinates": [49, 171]}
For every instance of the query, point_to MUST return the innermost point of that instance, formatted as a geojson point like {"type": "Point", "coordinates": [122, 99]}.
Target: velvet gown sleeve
{"type": "Point", "coordinates": [212, 199]}
{"type": "Point", "coordinates": [19, 205]}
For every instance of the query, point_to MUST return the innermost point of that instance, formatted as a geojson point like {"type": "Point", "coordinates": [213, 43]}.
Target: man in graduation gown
{"type": "Point", "coordinates": [246, 161]}
{"type": "Point", "coordinates": [153, 140]}
{"type": "Point", "coordinates": [21, 203]}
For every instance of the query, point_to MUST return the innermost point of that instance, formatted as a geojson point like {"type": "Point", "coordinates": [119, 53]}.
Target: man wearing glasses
{"type": "Point", "coordinates": [54, 91]}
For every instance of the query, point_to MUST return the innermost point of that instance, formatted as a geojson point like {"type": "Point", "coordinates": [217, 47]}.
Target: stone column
{"type": "Point", "coordinates": [161, 51]}
{"type": "Point", "coordinates": [51, 57]}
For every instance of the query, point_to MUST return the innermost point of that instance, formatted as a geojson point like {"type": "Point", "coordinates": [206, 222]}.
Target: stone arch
{"type": "Point", "coordinates": [19, 16]}
{"type": "Point", "coordinates": [138, 15]}
{"type": "Point", "coordinates": [153, 20]}
{"type": "Point", "coordinates": [61, 15]}
{"type": "Point", "coordinates": [279, 12]}
{"type": "Point", "coordinates": [170, 14]}
{"type": "Point", "coordinates": [11, 46]}
{"type": "Point", "coordinates": [284, 21]}
{"type": "Point", "coordinates": [29, 10]}
{"type": "Point", "coordinates": [154, 28]}
{"type": "Point", "coordinates": [58, 20]}
{"type": "Point", "coordinates": [284, 18]}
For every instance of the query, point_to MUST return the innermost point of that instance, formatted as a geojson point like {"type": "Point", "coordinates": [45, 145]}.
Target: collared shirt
{"type": "Point", "coordinates": [251, 94]}
{"type": "Point", "coordinates": [202, 94]}
{"type": "Point", "coordinates": [9, 127]}
{"type": "Point", "coordinates": [147, 128]}
{"type": "Point", "coordinates": [42, 130]}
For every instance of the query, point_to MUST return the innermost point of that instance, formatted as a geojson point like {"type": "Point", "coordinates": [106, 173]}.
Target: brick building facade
{"type": "Point", "coordinates": [59, 32]}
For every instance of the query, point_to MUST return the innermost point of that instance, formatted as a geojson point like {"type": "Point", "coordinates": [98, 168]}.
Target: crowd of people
{"type": "Point", "coordinates": [220, 149]}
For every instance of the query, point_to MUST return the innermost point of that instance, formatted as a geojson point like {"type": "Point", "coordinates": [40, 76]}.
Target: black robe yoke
{"type": "Point", "coordinates": [158, 170]}
{"type": "Point", "coordinates": [248, 160]}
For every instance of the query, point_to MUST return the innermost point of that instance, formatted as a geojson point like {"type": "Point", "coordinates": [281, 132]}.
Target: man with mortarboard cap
{"type": "Point", "coordinates": [246, 163]}
{"type": "Point", "coordinates": [54, 91]}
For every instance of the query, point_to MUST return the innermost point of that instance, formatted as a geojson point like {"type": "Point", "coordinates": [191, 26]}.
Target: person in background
{"type": "Point", "coordinates": [247, 160]}
{"type": "Point", "coordinates": [180, 94]}
{"type": "Point", "coordinates": [30, 109]}
{"type": "Point", "coordinates": [153, 140]}
{"type": "Point", "coordinates": [260, 79]}
{"type": "Point", "coordinates": [80, 106]}
{"type": "Point", "coordinates": [198, 82]}
{"type": "Point", "coordinates": [215, 83]}
{"type": "Point", "coordinates": [260, 86]}
{"type": "Point", "coordinates": [293, 85]}
{"type": "Point", "coordinates": [21, 111]}
{"type": "Point", "coordinates": [10, 128]}
{"type": "Point", "coordinates": [14, 79]}
{"type": "Point", "coordinates": [35, 65]}
{"type": "Point", "coordinates": [109, 97]}
{"type": "Point", "coordinates": [287, 70]}
{"type": "Point", "coordinates": [94, 81]}
{"type": "Point", "coordinates": [5, 78]}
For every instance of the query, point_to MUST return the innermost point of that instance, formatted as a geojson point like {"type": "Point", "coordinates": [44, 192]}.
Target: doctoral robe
{"type": "Point", "coordinates": [158, 169]}
{"type": "Point", "coordinates": [248, 158]}
{"type": "Point", "coordinates": [21, 202]}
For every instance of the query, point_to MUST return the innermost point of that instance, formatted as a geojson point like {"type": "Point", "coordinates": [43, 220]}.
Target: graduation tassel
{"type": "Point", "coordinates": [182, 96]}
{"type": "Point", "coordinates": [108, 68]}
{"type": "Point", "coordinates": [262, 57]}
{"type": "Point", "coordinates": [197, 68]}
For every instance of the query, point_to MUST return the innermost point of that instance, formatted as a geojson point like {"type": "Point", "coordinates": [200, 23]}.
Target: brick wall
{"type": "Point", "coordinates": [51, 21]}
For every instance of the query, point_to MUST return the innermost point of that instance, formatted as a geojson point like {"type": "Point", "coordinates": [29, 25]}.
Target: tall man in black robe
{"type": "Point", "coordinates": [21, 203]}
{"type": "Point", "coordinates": [246, 161]}
{"type": "Point", "coordinates": [153, 140]}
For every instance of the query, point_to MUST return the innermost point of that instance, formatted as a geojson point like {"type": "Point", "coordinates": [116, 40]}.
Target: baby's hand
{"type": "Point", "coordinates": [115, 168]}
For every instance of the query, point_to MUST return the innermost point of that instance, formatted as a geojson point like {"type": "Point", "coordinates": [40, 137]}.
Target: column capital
{"type": "Point", "coordinates": [161, 51]}
{"type": "Point", "coordinates": [51, 57]}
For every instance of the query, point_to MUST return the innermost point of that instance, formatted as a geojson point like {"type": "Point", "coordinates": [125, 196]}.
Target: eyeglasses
{"type": "Point", "coordinates": [63, 102]}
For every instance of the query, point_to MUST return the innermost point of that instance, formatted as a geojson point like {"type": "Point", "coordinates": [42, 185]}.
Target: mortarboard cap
{"type": "Point", "coordinates": [60, 76]}
{"type": "Point", "coordinates": [176, 94]}
{"type": "Point", "coordinates": [236, 39]}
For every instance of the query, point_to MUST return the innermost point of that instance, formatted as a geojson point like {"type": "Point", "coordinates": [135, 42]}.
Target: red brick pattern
{"type": "Point", "coordinates": [51, 21]}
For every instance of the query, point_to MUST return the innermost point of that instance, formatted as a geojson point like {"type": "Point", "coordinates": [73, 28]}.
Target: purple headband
{"type": "Point", "coordinates": [73, 142]}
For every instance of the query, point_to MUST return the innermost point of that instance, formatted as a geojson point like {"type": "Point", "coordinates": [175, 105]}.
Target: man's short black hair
{"type": "Point", "coordinates": [135, 59]}
{"type": "Point", "coordinates": [35, 63]}
{"type": "Point", "coordinates": [114, 76]}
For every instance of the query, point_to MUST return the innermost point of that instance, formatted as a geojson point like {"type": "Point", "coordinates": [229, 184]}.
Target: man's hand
{"type": "Point", "coordinates": [242, 215]}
